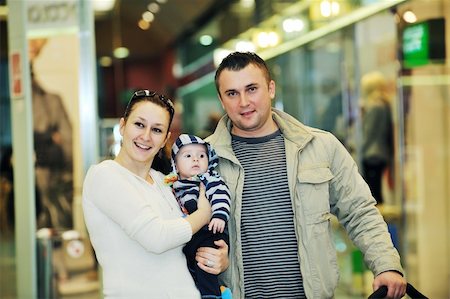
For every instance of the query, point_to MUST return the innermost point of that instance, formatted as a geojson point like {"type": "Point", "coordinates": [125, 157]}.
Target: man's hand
{"type": "Point", "coordinates": [395, 283]}
{"type": "Point", "coordinates": [212, 260]}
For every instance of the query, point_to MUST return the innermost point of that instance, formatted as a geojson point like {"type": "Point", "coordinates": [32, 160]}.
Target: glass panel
{"type": "Point", "coordinates": [425, 107]}
{"type": "Point", "coordinates": [7, 231]}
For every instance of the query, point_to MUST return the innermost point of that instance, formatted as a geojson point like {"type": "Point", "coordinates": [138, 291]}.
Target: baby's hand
{"type": "Point", "coordinates": [216, 225]}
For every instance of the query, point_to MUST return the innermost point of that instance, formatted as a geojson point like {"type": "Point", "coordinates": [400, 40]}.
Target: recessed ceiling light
{"type": "Point", "coordinates": [206, 40]}
{"type": "Point", "coordinates": [148, 16]}
{"type": "Point", "coordinates": [105, 61]}
{"type": "Point", "coordinates": [121, 52]}
{"type": "Point", "coordinates": [103, 5]}
{"type": "Point", "coordinates": [409, 17]}
{"type": "Point", "coordinates": [153, 7]}
{"type": "Point", "coordinates": [144, 25]}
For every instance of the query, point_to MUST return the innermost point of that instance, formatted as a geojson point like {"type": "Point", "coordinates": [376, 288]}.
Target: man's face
{"type": "Point", "coordinates": [246, 96]}
{"type": "Point", "coordinates": [191, 160]}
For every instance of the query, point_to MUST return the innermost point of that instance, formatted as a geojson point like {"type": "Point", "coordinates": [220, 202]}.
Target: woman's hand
{"type": "Point", "coordinates": [203, 203]}
{"type": "Point", "coordinates": [212, 260]}
{"type": "Point", "coordinates": [202, 215]}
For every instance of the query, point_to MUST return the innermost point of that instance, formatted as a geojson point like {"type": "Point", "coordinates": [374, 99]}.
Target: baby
{"type": "Point", "coordinates": [194, 162]}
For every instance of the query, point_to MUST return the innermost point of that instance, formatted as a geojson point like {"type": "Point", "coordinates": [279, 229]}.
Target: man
{"type": "Point", "coordinates": [286, 180]}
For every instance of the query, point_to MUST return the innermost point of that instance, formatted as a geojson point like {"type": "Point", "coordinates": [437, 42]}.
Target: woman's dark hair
{"type": "Point", "coordinates": [237, 61]}
{"type": "Point", "coordinates": [150, 96]}
{"type": "Point", "coordinates": [162, 162]}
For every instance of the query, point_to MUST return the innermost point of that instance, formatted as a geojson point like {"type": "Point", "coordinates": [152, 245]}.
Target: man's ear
{"type": "Point", "coordinates": [221, 102]}
{"type": "Point", "coordinates": [272, 89]}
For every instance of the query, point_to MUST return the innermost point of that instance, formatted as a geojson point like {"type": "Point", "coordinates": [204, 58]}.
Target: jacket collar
{"type": "Point", "coordinates": [292, 129]}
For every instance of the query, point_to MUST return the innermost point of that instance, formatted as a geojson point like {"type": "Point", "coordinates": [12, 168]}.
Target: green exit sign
{"type": "Point", "coordinates": [424, 43]}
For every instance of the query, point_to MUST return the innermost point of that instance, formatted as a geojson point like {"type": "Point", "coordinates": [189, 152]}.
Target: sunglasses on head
{"type": "Point", "coordinates": [142, 93]}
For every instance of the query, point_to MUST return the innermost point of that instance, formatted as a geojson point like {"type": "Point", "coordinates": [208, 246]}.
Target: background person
{"type": "Point", "coordinates": [133, 219]}
{"type": "Point", "coordinates": [194, 162]}
{"type": "Point", "coordinates": [286, 181]}
{"type": "Point", "coordinates": [378, 144]}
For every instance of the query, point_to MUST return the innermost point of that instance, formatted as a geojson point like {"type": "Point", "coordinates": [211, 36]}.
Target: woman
{"type": "Point", "coordinates": [134, 222]}
{"type": "Point", "coordinates": [378, 144]}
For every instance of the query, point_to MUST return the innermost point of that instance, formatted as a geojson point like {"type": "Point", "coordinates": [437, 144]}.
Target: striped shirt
{"type": "Point", "coordinates": [269, 244]}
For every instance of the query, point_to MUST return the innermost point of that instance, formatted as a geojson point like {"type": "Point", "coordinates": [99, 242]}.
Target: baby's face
{"type": "Point", "coordinates": [191, 160]}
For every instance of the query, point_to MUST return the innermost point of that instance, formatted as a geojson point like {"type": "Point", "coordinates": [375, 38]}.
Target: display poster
{"type": "Point", "coordinates": [53, 62]}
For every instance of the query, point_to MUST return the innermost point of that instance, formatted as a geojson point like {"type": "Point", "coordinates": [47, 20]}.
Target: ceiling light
{"type": "Point", "coordinates": [247, 3]}
{"type": "Point", "coordinates": [103, 5]}
{"type": "Point", "coordinates": [245, 46]}
{"type": "Point", "coordinates": [293, 25]}
{"type": "Point", "coordinates": [105, 61]}
{"type": "Point", "coordinates": [219, 54]}
{"type": "Point", "coordinates": [206, 40]}
{"type": "Point", "coordinates": [161, 1]}
{"type": "Point", "coordinates": [3, 11]}
{"type": "Point", "coordinates": [148, 16]}
{"type": "Point", "coordinates": [267, 39]}
{"type": "Point", "coordinates": [121, 52]}
{"type": "Point", "coordinates": [409, 17]}
{"type": "Point", "coordinates": [144, 25]}
{"type": "Point", "coordinates": [329, 8]}
{"type": "Point", "coordinates": [153, 7]}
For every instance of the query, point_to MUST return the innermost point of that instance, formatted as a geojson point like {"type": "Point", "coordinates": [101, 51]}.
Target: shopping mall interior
{"type": "Point", "coordinates": [69, 67]}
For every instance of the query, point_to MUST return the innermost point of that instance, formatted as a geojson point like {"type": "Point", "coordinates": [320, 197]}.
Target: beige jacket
{"type": "Point", "coordinates": [324, 181]}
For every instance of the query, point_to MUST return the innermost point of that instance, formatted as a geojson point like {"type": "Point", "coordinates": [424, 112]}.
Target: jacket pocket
{"type": "Point", "coordinates": [314, 198]}
{"type": "Point", "coordinates": [321, 253]}
{"type": "Point", "coordinates": [313, 189]}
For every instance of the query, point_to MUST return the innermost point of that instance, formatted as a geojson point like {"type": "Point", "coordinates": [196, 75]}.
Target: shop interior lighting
{"type": "Point", "coordinates": [329, 8]}
{"type": "Point", "coordinates": [153, 7]}
{"type": "Point", "coordinates": [3, 11]}
{"type": "Point", "coordinates": [245, 46]}
{"type": "Point", "coordinates": [121, 52]}
{"type": "Point", "coordinates": [144, 25]}
{"type": "Point", "coordinates": [293, 25]}
{"type": "Point", "coordinates": [105, 61]}
{"type": "Point", "coordinates": [103, 5]}
{"type": "Point", "coordinates": [247, 3]}
{"type": "Point", "coordinates": [267, 39]}
{"type": "Point", "coordinates": [409, 17]}
{"type": "Point", "coordinates": [161, 1]}
{"type": "Point", "coordinates": [148, 16]}
{"type": "Point", "coordinates": [206, 40]}
{"type": "Point", "coordinates": [219, 54]}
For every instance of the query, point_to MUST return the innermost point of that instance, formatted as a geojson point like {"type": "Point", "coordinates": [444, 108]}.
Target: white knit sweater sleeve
{"type": "Point", "coordinates": [144, 214]}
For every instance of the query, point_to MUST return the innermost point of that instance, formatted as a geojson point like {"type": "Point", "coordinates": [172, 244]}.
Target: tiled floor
{"type": "Point", "coordinates": [87, 286]}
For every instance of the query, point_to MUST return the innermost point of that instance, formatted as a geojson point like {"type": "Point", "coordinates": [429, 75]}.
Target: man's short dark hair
{"type": "Point", "coordinates": [239, 60]}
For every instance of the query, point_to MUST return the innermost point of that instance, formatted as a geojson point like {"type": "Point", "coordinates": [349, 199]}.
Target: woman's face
{"type": "Point", "coordinates": [144, 133]}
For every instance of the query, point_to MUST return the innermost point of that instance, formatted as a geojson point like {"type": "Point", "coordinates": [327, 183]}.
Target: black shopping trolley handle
{"type": "Point", "coordinates": [410, 291]}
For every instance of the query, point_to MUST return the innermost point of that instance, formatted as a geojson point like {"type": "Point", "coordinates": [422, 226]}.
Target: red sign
{"type": "Point", "coordinates": [16, 75]}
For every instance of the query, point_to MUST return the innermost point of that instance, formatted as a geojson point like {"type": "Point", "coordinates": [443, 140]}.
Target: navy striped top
{"type": "Point", "coordinates": [269, 244]}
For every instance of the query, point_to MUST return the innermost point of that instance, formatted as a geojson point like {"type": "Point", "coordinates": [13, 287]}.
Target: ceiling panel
{"type": "Point", "coordinates": [119, 27]}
